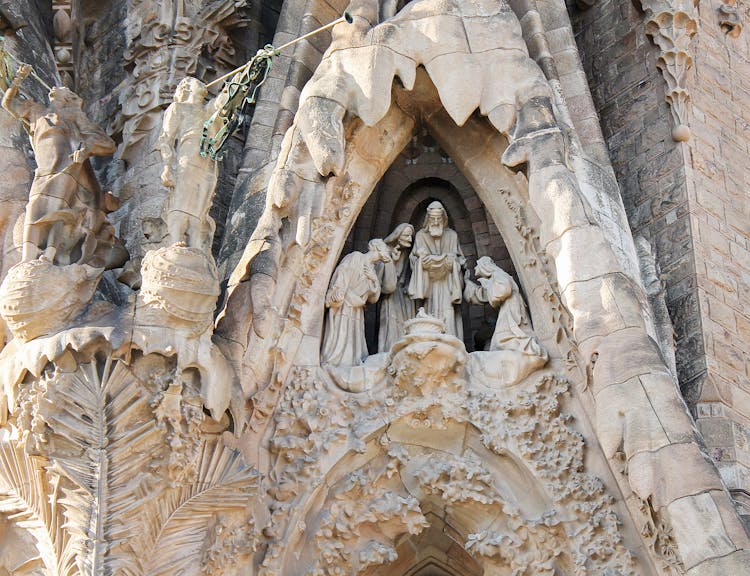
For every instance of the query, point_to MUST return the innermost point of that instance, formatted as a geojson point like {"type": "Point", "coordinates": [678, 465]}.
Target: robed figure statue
{"type": "Point", "coordinates": [436, 263]}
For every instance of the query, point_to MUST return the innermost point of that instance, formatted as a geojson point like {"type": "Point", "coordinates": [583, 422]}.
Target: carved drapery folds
{"type": "Point", "coordinates": [672, 24]}
{"type": "Point", "coordinates": [433, 274]}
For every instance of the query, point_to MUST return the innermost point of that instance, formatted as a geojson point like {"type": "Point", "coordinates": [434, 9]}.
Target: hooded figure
{"type": "Point", "coordinates": [514, 352]}
{"type": "Point", "coordinates": [354, 284]}
{"type": "Point", "coordinates": [395, 305]}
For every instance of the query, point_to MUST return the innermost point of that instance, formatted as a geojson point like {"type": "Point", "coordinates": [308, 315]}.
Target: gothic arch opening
{"type": "Point", "coordinates": [421, 174]}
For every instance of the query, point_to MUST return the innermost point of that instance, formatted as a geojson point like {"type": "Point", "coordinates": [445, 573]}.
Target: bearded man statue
{"type": "Point", "coordinates": [436, 261]}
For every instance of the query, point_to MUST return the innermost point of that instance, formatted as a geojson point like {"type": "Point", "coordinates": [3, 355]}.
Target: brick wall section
{"type": "Point", "coordinates": [628, 91]}
{"type": "Point", "coordinates": [720, 215]}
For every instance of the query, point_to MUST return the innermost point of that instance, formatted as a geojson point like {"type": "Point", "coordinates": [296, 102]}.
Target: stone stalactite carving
{"type": "Point", "coordinates": [672, 24]}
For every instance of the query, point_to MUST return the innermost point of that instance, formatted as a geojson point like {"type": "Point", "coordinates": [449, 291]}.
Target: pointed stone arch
{"type": "Point", "coordinates": [445, 455]}
{"type": "Point", "coordinates": [588, 312]}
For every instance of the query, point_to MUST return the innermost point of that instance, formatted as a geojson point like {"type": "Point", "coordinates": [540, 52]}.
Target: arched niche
{"type": "Point", "coordinates": [327, 176]}
{"type": "Point", "coordinates": [476, 149]}
{"type": "Point", "coordinates": [421, 173]}
{"type": "Point", "coordinates": [416, 502]}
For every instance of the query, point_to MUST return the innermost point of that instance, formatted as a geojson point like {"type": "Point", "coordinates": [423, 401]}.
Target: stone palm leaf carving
{"type": "Point", "coordinates": [131, 485]}
{"type": "Point", "coordinates": [30, 498]}
{"type": "Point", "coordinates": [178, 524]}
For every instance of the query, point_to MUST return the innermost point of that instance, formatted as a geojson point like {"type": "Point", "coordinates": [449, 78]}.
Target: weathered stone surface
{"type": "Point", "coordinates": [550, 439]}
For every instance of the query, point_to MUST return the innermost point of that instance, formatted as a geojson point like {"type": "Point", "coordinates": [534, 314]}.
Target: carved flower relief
{"type": "Point", "coordinates": [458, 480]}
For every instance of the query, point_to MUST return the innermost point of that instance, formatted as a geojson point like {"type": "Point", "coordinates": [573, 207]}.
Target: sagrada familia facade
{"type": "Point", "coordinates": [378, 288]}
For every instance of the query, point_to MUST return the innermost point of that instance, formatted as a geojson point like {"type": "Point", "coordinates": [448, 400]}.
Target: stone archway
{"type": "Point", "coordinates": [348, 131]}
{"type": "Point", "coordinates": [360, 483]}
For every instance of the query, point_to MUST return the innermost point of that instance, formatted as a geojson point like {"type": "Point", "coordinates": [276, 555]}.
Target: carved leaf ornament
{"type": "Point", "coordinates": [103, 497]}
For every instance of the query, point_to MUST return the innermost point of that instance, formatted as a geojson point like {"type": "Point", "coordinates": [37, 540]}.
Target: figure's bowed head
{"type": "Point", "coordinates": [378, 251]}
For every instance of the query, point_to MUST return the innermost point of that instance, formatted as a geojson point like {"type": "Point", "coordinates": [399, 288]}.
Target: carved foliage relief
{"type": "Point", "coordinates": [379, 463]}
{"type": "Point", "coordinates": [115, 469]}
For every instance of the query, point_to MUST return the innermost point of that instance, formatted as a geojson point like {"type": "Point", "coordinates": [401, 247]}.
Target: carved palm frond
{"type": "Point", "coordinates": [179, 522]}
{"type": "Point", "coordinates": [28, 496]}
{"type": "Point", "coordinates": [104, 438]}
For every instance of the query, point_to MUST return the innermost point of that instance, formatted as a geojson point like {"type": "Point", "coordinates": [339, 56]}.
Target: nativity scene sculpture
{"type": "Point", "coordinates": [395, 305]}
{"type": "Point", "coordinates": [431, 278]}
{"type": "Point", "coordinates": [514, 352]}
{"type": "Point", "coordinates": [353, 285]}
{"type": "Point", "coordinates": [436, 264]}
{"type": "Point", "coordinates": [288, 447]}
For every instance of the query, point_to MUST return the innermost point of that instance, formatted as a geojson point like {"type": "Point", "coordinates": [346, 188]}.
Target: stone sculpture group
{"type": "Point", "coordinates": [433, 279]}
{"type": "Point", "coordinates": [147, 434]}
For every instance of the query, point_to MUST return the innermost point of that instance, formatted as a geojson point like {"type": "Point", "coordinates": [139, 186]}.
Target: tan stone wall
{"type": "Point", "coordinates": [689, 200]}
{"type": "Point", "coordinates": [628, 91]}
{"type": "Point", "coordinates": [720, 222]}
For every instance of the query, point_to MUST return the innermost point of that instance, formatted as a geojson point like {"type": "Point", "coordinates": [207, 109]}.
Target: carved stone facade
{"type": "Point", "coordinates": [432, 347]}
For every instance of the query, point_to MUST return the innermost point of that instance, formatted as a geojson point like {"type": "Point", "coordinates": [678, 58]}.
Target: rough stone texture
{"type": "Point", "coordinates": [688, 200]}
{"type": "Point", "coordinates": [627, 87]}
{"type": "Point", "coordinates": [139, 434]}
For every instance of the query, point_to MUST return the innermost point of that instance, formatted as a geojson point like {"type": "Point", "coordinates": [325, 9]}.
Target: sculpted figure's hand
{"type": "Point", "coordinates": [167, 177]}
{"type": "Point", "coordinates": [80, 156]}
